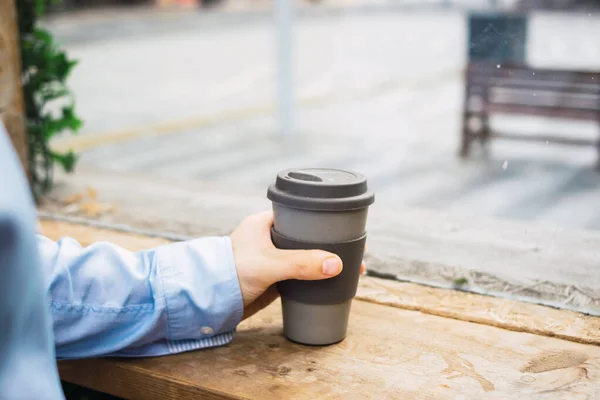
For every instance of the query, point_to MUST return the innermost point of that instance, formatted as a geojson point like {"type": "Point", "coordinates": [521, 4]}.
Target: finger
{"type": "Point", "coordinates": [264, 218]}
{"type": "Point", "coordinates": [263, 221]}
{"type": "Point", "coordinates": [302, 265]}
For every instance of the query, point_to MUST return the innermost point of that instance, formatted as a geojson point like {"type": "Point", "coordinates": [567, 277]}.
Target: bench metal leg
{"type": "Point", "coordinates": [465, 146]}
{"type": "Point", "coordinates": [484, 135]}
{"type": "Point", "coordinates": [469, 135]}
{"type": "Point", "coordinates": [598, 142]}
{"type": "Point", "coordinates": [466, 138]}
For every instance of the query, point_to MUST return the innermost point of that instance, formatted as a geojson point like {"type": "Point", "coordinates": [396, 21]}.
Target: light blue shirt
{"type": "Point", "coordinates": [59, 300]}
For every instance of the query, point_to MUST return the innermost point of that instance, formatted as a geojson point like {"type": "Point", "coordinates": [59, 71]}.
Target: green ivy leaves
{"type": "Point", "coordinates": [67, 121]}
{"type": "Point", "coordinates": [45, 68]}
{"type": "Point", "coordinates": [40, 6]}
{"type": "Point", "coordinates": [67, 160]}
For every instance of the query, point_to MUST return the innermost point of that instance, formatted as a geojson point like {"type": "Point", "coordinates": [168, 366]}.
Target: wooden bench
{"type": "Point", "coordinates": [516, 89]}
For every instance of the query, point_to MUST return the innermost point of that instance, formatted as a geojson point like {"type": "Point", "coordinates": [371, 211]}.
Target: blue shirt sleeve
{"type": "Point", "coordinates": [105, 300]}
{"type": "Point", "coordinates": [27, 363]}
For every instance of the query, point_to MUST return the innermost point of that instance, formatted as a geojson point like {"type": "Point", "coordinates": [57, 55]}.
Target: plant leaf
{"type": "Point", "coordinates": [65, 160]}
{"type": "Point", "coordinates": [62, 66]}
{"type": "Point", "coordinates": [53, 93]}
{"type": "Point", "coordinates": [40, 7]}
{"type": "Point", "coordinates": [43, 36]}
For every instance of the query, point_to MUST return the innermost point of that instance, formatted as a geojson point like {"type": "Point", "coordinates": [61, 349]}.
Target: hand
{"type": "Point", "coordinates": [260, 264]}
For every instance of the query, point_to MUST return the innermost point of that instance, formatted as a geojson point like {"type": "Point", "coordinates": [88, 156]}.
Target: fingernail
{"type": "Point", "coordinates": [332, 266]}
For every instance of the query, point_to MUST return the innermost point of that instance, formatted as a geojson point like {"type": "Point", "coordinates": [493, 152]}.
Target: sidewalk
{"type": "Point", "coordinates": [379, 93]}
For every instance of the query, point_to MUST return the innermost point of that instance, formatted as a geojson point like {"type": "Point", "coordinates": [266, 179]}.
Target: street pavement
{"type": "Point", "coordinates": [192, 97]}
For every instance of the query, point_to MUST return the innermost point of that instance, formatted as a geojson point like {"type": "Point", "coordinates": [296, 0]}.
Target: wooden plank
{"type": "Point", "coordinates": [389, 353]}
{"type": "Point", "coordinates": [507, 314]}
{"type": "Point", "coordinates": [11, 97]}
{"type": "Point", "coordinates": [545, 98]}
{"type": "Point", "coordinates": [545, 139]}
{"type": "Point", "coordinates": [542, 111]}
{"type": "Point", "coordinates": [534, 84]}
{"type": "Point", "coordinates": [108, 376]}
{"type": "Point", "coordinates": [421, 245]}
{"type": "Point", "coordinates": [502, 313]}
{"type": "Point", "coordinates": [514, 71]}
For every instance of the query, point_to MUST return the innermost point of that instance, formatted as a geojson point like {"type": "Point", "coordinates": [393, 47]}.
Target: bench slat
{"type": "Point", "coordinates": [526, 72]}
{"type": "Point", "coordinates": [533, 84]}
{"type": "Point", "coordinates": [545, 101]}
{"type": "Point", "coordinates": [545, 139]}
{"type": "Point", "coordinates": [554, 112]}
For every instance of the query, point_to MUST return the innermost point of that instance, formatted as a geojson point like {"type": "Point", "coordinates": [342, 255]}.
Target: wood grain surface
{"type": "Point", "coordinates": [391, 350]}
{"type": "Point", "coordinates": [389, 353]}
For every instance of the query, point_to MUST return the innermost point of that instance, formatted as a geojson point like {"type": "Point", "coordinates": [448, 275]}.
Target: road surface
{"type": "Point", "coordinates": [191, 97]}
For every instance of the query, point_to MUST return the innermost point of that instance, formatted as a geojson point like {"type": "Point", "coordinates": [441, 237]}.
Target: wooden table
{"type": "Point", "coordinates": [405, 341]}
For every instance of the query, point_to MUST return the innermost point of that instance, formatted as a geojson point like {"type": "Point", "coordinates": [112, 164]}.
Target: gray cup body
{"type": "Point", "coordinates": [317, 313]}
{"type": "Point", "coordinates": [319, 226]}
{"type": "Point", "coordinates": [315, 324]}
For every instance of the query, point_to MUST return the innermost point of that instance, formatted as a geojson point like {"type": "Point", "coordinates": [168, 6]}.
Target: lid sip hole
{"type": "Point", "coordinates": [304, 176]}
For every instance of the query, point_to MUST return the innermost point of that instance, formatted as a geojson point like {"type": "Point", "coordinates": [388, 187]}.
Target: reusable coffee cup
{"type": "Point", "coordinates": [319, 208]}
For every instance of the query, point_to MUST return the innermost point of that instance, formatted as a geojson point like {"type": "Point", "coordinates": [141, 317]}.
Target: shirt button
{"type": "Point", "coordinates": [206, 330]}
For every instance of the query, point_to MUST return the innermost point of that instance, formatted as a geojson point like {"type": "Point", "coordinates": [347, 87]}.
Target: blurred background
{"type": "Point", "coordinates": [232, 91]}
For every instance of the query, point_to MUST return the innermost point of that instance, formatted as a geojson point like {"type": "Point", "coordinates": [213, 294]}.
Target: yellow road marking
{"type": "Point", "coordinates": [91, 140]}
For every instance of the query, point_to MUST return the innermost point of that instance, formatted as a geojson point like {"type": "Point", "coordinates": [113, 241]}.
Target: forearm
{"type": "Point", "coordinates": [105, 300]}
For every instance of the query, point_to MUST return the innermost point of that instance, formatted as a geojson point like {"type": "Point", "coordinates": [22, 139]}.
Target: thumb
{"type": "Point", "coordinates": [303, 265]}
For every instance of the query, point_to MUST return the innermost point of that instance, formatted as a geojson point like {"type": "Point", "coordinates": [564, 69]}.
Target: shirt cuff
{"type": "Point", "coordinates": [201, 290]}
{"type": "Point", "coordinates": [165, 347]}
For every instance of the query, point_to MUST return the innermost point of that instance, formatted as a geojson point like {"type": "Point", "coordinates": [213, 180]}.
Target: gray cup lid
{"type": "Point", "coordinates": [321, 189]}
